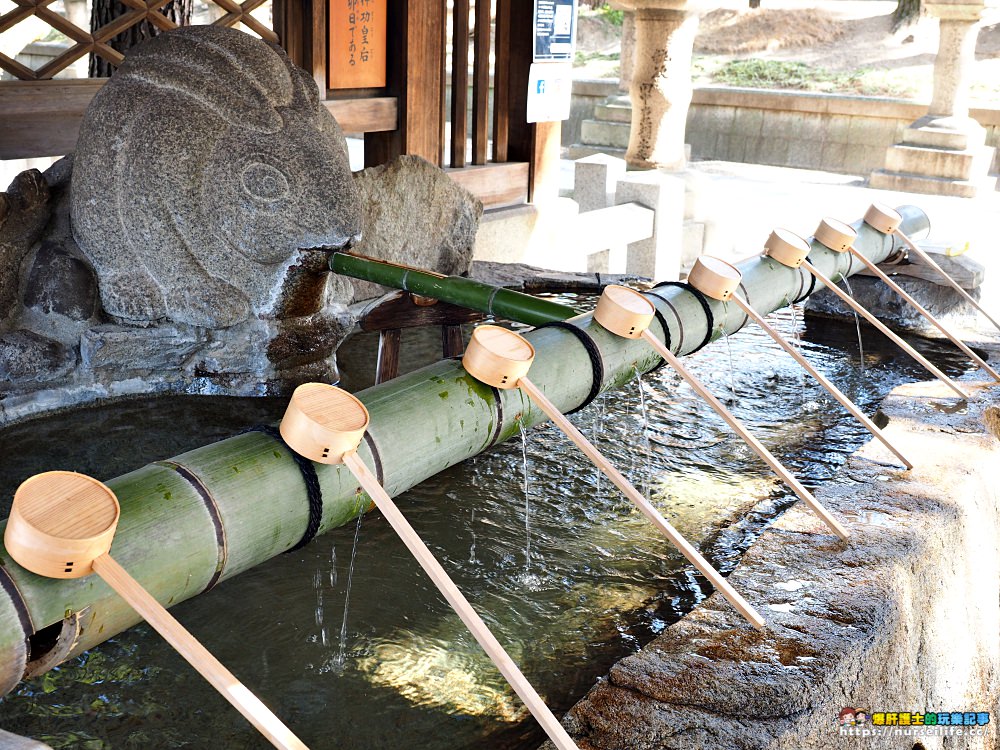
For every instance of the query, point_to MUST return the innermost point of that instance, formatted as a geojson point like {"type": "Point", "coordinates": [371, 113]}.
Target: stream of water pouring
{"type": "Point", "coordinates": [472, 546]}
{"type": "Point", "coordinates": [797, 338]}
{"type": "Point", "coordinates": [857, 322]}
{"type": "Point", "coordinates": [597, 435]}
{"type": "Point", "coordinates": [527, 503]}
{"type": "Point", "coordinates": [648, 468]}
{"type": "Point", "coordinates": [339, 662]}
{"type": "Point", "coordinates": [729, 349]}
{"type": "Point", "coordinates": [318, 586]}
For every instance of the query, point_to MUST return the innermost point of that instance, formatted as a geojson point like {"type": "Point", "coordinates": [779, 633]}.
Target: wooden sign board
{"type": "Point", "coordinates": [357, 44]}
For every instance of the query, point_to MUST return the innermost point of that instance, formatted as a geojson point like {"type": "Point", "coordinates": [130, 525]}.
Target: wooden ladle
{"type": "Point", "coordinates": [62, 524]}
{"type": "Point", "coordinates": [888, 221]}
{"type": "Point", "coordinates": [840, 237]}
{"type": "Point", "coordinates": [865, 313]}
{"type": "Point", "coordinates": [501, 358]}
{"type": "Point", "coordinates": [326, 424]}
{"type": "Point", "coordinates": [628, 314]}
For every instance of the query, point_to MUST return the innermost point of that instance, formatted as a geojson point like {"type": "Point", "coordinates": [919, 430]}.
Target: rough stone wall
{"type": "Point", "coordinates": [905, 617]}
{"type": "Point", "coordinates": [943, 302]}
{"type": "Point", "coordinates": [183, 247]}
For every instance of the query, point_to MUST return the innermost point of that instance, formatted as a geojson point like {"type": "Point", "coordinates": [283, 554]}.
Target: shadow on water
{"type": "Point", "coordinates": [602, 582]}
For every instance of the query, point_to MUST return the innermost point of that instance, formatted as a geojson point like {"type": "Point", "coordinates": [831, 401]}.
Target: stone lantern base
{"type": "Point", "coordinates": [941, 156]}
{"type": "Point", "coordinates": [944, 152]}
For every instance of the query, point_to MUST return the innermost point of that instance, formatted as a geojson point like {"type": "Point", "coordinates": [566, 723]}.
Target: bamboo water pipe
{"type": "Point", "coordinates": [887, 220]}
{"type": "Point", "coordinates": [502, 358]}
{"type": "Point", "coordinates": [864, 312]}
{"type": "Point", "coordinates": [62, 524]}
{"type": "Point", "coordinates": [627, 313]}
{"type": "Point", "coordinates": [326, 424]}
{"type": "Point", "coordinates": [840, 237]}
{"type": "Point", "coordinates": [421, 423]}
{"type": "Point", "coordinates": [476, 295]}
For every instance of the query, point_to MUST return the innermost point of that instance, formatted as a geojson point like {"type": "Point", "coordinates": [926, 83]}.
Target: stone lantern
{"type": "Point", "coordinates": [944, 152]}
{"type": "Point", "coordinates": [660, 87]}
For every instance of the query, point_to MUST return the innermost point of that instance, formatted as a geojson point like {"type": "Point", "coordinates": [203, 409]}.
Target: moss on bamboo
{"type": "Point", "coordinates": [216, 511]}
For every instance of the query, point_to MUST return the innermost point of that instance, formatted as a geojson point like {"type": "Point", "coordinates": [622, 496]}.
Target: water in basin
{"type": "Point", "coordinates": [601, 583]}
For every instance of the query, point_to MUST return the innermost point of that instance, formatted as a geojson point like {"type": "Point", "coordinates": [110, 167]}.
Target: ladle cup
{"type": "Point", "coordinates": [870, 317]}
{"type": "Point", "coordinates": [326, 424]}
{"type": "Point", "coordinates": [501, 358]}
{"type": "Point", "coordinates": [61, 525]}
{"type": "Point", "coordinates": [627, 313]}
{"type": "Point", "coordinates": [791, 250]}
{"type": "Point", "coordinates": [840, 237]}
{"type": "Point", "coordinates": [888, 221]}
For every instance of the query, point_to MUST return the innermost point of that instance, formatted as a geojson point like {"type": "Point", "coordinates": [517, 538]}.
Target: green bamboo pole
{"type": "Point", "coordinates": [211, 513]}
{"type": "Point", "coordinates": [475, 295]}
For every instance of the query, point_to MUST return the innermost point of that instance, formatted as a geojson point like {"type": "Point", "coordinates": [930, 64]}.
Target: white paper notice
{"type": "Point", "coordinates": [550, 91]}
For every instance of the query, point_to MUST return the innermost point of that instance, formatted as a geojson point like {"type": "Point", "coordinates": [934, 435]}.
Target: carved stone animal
{"type": "Point", "coordinates": [202, 166]}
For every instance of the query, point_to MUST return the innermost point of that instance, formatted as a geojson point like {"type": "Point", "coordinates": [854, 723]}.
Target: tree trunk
{"type": "Point", "coordinates": [907, 13]}
{"type": "Point", "coordinates": [105, 11]}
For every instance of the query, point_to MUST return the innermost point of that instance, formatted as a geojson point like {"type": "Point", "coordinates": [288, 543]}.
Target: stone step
{"type": "Point", "coordinates": [581, 150]}
{"type": "Point", "coordinates": [599, 133]}
{"type": "Point", "coordinates": [954, 134]}
{"type": "Point", "coordinates": [613, 113]}
{"type": "Point", "coordinates": [915, 183]}
{"type": "Point", "coordinates": [937, 162]}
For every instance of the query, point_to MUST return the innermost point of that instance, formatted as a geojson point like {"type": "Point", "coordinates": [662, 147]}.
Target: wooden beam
{"type": "Point", "coordinates": [521, 47]}
{"type": "Point", "coordinates": [443, 115]}
{"type": "Point", "coordinates": [318, 43]}
{"type": "Point", "coordinates": [288, 25]}
{"type": "Point", "coordinates": [459, 81]}
{"type": "Point", "coordinates": [371, 115]}
{"type": "Point", "coordinates": [415, 31]}
{"type": "Point", "coordinates": [501, 81]}
{"type": "Point", "coordinates": [42, 118]}
{"type": "Point", "coordinates": [503, 184]}
{"type": "Point", "coordinates": [481, 82]}
{"type": "Point", "coordinates": [537, 144]}
{"type": "Point", "coordinates": [967, 272]}
{"type": "Point", "coordinates": [545, 146]}
{"type": "Point", "coordinates": [397, 310]}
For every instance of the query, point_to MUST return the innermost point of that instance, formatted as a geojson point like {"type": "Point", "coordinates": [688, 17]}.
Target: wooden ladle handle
{"type": "Point", "coordinates": [645, 507]}
{"type": "Point", "coordinates": [459, 603]}
{"type": "Point", "coordinates": [196, 655]}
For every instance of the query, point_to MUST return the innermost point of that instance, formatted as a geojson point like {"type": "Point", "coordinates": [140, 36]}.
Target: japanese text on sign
{"type": "Point", "coordinates": [357, 43]}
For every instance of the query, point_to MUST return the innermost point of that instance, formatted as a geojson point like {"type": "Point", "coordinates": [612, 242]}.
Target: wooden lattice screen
{"type": "Point", "coordinates": [97, 42]}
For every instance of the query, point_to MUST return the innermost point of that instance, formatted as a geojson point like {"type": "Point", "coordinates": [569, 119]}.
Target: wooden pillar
{"type": "Point", "coordinates": [536, 143]}
{"type": "Point", "coordinates": [415, 34]}
{"type": "Point", "coordinates": [302, 30]}
{"type": "Point", "coordinates": [459, 81]}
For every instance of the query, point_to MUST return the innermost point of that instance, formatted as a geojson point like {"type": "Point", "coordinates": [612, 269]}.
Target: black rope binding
{"type": "Point", "coordinates": [673, 310]}
{"type": "Point", "coordinates": [746, 296]}
{"type": "Point", "coordinates": [376, 457]}
{"type": "Point", "coordinates": [666, 334]}
{"type": "Point", "coordinates": [703, 300]}
{"type": "Point", "coordinates": [311, 479]}
{"type": "Point", "coordinates": [812, 288]}
{"type": "Point", "coordinates": [596, 363]}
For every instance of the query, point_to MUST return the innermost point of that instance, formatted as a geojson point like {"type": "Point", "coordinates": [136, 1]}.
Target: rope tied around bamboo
{"type": "Point", "coordinates": [248, 492]}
